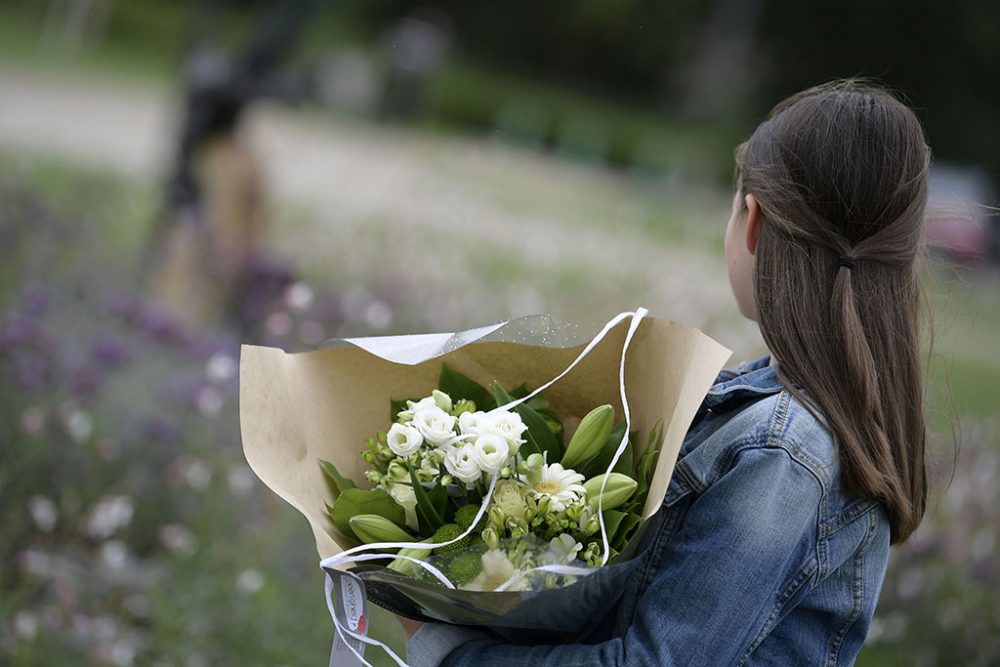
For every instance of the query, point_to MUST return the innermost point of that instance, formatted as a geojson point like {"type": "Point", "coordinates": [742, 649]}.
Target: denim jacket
{"type": "Point", "coordinates": [757, 555]}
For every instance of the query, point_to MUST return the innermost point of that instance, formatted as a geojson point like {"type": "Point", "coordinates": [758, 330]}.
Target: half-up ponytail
{"type": "Point", "coordinates": [840, 174]}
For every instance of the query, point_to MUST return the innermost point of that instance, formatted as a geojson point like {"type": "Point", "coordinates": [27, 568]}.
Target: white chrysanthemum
{"type": "Point", "coordinates": [404, 440]}
{"type": "Point", "coordinates": [497, 570]}
{"type": "Point", "coordinates": [492, 452]}
{"type": "Point", "coordinates": [509, 425]}
{"type": "Point", "coordinates": [436, 425]}
{"type": "Point", "coordinates": [461, 463]}
{"type": "Point", "coordinates": [561, 486]}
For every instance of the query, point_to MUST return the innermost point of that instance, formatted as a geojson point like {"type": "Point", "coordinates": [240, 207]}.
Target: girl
{"type": "Point", "coordinates": [801, 468]}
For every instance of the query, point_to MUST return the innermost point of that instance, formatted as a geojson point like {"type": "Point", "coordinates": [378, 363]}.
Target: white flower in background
{"type": "Point", "coordinates": [491, 452]}
{"type": "Point", "coordinates": [497, 570]}
{"type": "Point", "coordinates": [406, 498]}
{"type": "Point", "coordinates": [43, 512]}
{"type": "Point", "coordinates": [564, 548]}
{"type": "Point", "coordinates": [509, 425]}
{"type": "Point", "coordinates": [560, 485]}
{"type": "Point", "coordinates": [436, 425]}
{"type": "Point", "coordinates": [110, 514]}
{"type": "Point", "coordinates": [461, 463]}
{"type": "Point", "coordinates": [404, 440]}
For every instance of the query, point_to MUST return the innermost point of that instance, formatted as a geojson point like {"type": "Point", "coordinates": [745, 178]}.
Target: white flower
{"type": "Point", "coordinates": [508, 425]}
{"type": "Point", "coordinates": [426, 402]}
{"type": "Point", "coordinates": [561, 486]}
{"type": "Point", "coordinates": [497, 570]}
{"type": "Point", "coordinates": [406, 498]}
{"type": "Point", "coordinates": [436, 425]}
{"type": "Point", "coordinates": [442, 400]}
{"type": "Point", "coordinates": [473, 423]}
{"type": "Point", "coordinates": [564, 547]}
{"type": "Point", "coordinates": [461, 463]}
{"type": "Point", "coordinates": [404, 440]}
{"type": "Point", "coordinates": [491, 452]}
{"type": "Point", "coordinates": [510, 499]}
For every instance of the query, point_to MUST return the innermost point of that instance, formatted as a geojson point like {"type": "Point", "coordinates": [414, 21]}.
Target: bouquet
{"type": "Point", "coordinates": [500, 477]}
{"type": "Point", "coordinates": [492, 490]}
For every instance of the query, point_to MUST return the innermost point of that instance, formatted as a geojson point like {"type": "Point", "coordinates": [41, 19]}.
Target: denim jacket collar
{"type": "Point", "coordinates": [750, 380]}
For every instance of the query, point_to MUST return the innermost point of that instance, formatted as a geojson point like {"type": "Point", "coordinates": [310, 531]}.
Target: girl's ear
{"type": "Point", "coordinates": [753, 223]}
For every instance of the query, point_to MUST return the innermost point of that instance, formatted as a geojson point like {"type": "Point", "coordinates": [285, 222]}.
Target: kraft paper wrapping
{"type": "Point", "coordinates": [298, 408]}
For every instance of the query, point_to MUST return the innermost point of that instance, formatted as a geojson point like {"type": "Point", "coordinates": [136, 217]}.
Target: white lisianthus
{"type": "Point", "coordinates": [404, 440]}
{"type": "Point", "coordinates": [491, 452]}
{"type": "Point", "coordinates": [508, 425]}
{"type": "Point", "coordinates": [406, 498]}
{"type": "Point", "coordinates": [473, 423]}
{"type": "Point", "coordinates": [561, 486]}
{"type": "Point", "coordinates": [426, 402]}
{"type": "Point", "coordinates": [564, 547]}
{"type": "Point", "coordinates": [436, 425]}
{"type": "Point", "coordinates": [497, 570]}
{"type": "Point", "coordinates": [461, 463]}
{"type": "Point", "coordinates": [442, 400]}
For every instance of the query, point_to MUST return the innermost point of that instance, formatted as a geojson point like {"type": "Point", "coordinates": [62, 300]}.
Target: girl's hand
{"type": "Point", "coordinates": [409, 626]}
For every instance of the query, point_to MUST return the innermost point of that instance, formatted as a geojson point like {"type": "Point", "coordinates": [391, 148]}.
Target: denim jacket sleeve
{"type": "Point", "coordinates": [724, 568]}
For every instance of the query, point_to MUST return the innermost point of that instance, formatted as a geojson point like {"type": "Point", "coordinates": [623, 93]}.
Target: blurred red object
{"type": "Point", "coordinates": [958, 215]}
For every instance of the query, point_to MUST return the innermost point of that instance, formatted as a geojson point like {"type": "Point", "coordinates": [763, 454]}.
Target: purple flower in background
{"type": "Point", "coordinates": [34, 300]}
{"type": "Point", "coordinates": [110, 353]}
{"type": "Point", "coordinates": [85, 381]}
{"type": "Point", "coordinates": [160, 429]}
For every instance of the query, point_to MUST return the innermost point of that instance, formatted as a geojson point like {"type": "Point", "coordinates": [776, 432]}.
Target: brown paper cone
{"type": "Point", "coordinates": [298, 408]}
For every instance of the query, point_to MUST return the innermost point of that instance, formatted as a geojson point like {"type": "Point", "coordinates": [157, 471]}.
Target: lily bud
{"type": "Point", "coordinates": [442, 400]}
{"type": "Point", "coordinates": [368, 456]}
{"type": "Point", "coordinates": [405, 566]}
{"type": "Point", "coordinates": [590, 437]}
{"type": "Point", "coordinates": [618, 490]}
{"type": "Point", "coordinates": [404, 416]}
{"type": "Point", "coordinates": [374, 528]}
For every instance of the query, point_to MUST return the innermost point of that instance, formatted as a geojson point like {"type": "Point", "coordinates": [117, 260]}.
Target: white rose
{"type": "Point", "coordinates": [509, 426]}
{"type": "Point", "coordinates": [404, 440]}
{"type": "Point", "coordinates": [472, 423]}
{"type": "Point", "coordinates": [491, 452]}
{"type": "Point", "coordinates": [461, 463]}
{"type": "Point", "coordinates": [436, 425]}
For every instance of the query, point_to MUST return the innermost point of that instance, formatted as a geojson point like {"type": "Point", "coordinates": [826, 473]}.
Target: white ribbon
{"type": "Point", "coordinates": [352, 555]}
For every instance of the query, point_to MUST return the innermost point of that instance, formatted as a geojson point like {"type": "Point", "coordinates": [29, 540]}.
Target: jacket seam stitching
{"type": "Point", "coordinates": [837, 641]}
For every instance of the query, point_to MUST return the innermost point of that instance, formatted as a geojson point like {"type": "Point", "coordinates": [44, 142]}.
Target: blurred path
{"type": "Point", "coordinates": [399, 186]}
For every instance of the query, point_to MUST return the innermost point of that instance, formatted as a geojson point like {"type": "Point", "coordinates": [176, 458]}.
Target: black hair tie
{"type": "Point", "coordinates": [848, 261]}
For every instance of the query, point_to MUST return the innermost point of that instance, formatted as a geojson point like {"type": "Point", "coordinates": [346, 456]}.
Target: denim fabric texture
{"type": "Point", "coordinates": [758, 556]}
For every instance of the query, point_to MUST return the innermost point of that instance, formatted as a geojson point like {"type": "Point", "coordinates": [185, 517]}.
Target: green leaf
{"type": "Point", "coordinates": [625, 529]}
{"type": "Point", "coordinates": [612, 519]}
{"type": "Point", "coordinates": [521, 390]}
{"type": "Point", "coordinates": [624, 465]}
{"type": "Point", "coordinates": [337, 482]}
{"type": "Point", "coordinates": [539, 437]}
{"type": "Point", "coordinates": [459, 386]}
{"type": "Point", "coordinates": [428, 513]}
{"type": "Point", "coordinates": [644, 468]}
{"type": "Point", "coordinates": [359, 501]}
{"type": "Point", "coordinates": [345, 540]}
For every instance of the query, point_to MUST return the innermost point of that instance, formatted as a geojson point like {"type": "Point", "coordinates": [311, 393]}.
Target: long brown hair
{"type": "Point", "coordinates": [840, 172]}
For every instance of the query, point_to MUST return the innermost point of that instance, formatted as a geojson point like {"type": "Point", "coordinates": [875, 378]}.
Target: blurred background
{"type": "Point", "coordinates": [180, 177]}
